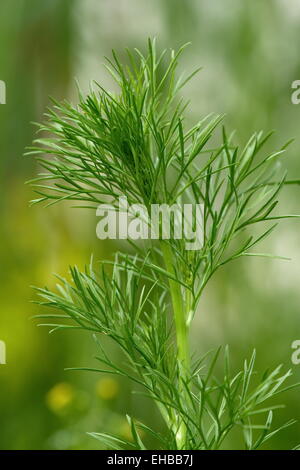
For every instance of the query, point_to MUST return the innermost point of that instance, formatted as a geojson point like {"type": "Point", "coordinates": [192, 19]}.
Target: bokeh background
{"type": "Point", "coordinates": [250, 56]}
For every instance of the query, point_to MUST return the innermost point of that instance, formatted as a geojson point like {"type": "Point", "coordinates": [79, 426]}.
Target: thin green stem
{"type": "Point", "coordinates": [182, 331]}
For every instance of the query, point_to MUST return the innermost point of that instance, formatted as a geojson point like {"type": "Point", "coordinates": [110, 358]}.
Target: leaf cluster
{"type": "Point", "coordinates": [137, 143]}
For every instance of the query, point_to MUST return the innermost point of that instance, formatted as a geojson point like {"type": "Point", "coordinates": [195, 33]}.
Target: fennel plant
{"type": "Point", "coordinates": [136, 143]}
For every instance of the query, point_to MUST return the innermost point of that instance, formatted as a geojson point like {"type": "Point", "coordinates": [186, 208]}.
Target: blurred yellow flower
{"type": "Point", "coordinates": [60, 396]}
{"type": "Point", "coordinates": [107, 388]}
{"type": "Point", "coordinates": [125, 431]}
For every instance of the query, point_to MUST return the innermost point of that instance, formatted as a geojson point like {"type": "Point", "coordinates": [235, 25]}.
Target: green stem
{"type": "Point", "coordinates": [183, 352]}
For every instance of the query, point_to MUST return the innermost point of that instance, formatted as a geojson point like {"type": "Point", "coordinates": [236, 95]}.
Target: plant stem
{"type": "Point", "coordinates": [183, 352]}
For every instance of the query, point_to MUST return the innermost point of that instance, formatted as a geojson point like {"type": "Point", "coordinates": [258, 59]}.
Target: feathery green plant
{"type": "Point", "coordinates": [136, 143]}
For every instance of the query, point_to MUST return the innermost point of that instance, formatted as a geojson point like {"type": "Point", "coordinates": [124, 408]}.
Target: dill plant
{"type": "Point", "coordinates": [136, 143]}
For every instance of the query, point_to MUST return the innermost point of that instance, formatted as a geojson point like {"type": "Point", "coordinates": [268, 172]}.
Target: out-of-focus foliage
{"type": "Point", "coordinates": [250, 57]}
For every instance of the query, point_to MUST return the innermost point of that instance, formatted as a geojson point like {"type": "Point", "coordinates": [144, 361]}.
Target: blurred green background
{"type": "Point", "coordinates": [250, 54]}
